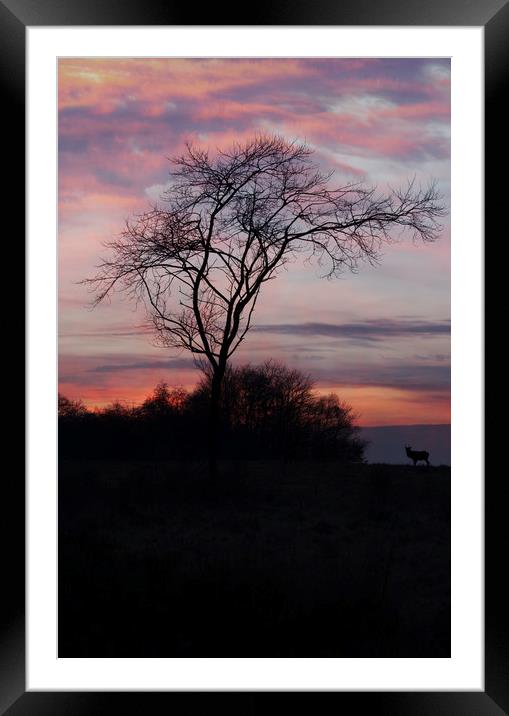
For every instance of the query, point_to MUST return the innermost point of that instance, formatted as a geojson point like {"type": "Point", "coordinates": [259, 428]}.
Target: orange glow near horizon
{"type": "Point", "coordinates": [380, 405]}
{"type": "Point", "coordinates": [372, 405]}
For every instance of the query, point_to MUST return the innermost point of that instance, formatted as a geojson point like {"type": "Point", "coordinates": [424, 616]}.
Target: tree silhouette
{"type": "Point", "coordinates": [268, 411]}
{"type": "Point", "coordinates": [231, 221]}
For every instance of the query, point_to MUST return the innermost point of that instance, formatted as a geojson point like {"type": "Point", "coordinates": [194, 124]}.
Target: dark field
{"type": "Point", "coordinates": [277, 560]}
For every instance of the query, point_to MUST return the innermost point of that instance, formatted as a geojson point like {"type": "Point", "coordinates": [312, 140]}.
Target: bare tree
{"type": "Point", "coordinates": [231, 221]}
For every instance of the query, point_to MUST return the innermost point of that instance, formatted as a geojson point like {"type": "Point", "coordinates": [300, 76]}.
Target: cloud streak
{"type": "Point", "coordinates": [412, 377]}
{"type": "Point", "coordinates": [167, 365]}
{"type": "Point", "coordinates": [370, 330]}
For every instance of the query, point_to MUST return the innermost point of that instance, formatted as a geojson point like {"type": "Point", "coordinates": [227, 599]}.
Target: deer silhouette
{"type": "Point", "coordinates": [417, 455]}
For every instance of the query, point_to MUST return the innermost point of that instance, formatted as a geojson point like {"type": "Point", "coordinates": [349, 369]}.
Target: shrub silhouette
{"type": "Point", "coordinates": [70, 408]}
{"type": "Point", "coordinates": [271, 411]}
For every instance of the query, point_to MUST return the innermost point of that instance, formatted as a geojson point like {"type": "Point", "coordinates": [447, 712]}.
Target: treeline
{"type": "Point", "coordinates": [268, 411]}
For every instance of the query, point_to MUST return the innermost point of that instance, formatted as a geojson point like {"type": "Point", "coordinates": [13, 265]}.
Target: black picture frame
{"type": "Point", "coordinates": [15, 17]}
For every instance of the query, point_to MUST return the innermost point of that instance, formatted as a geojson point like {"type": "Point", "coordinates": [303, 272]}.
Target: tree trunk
{"type": "Point", "coordinates": [214, 431]}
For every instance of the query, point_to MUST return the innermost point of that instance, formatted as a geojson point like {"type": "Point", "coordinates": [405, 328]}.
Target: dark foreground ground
{"type": "Point", "coordinates": [283, 561]}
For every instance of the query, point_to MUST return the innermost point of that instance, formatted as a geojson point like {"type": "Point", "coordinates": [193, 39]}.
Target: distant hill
{"type": "Point", "coordinates": [387, 444]}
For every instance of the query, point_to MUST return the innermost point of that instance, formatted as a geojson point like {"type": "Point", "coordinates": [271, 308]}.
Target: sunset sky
{"type": "Point", "coordinates": [379, 338]}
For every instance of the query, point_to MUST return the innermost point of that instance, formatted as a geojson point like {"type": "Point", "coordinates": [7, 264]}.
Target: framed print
{"type": "Point", "coordinates": [99, 65]}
